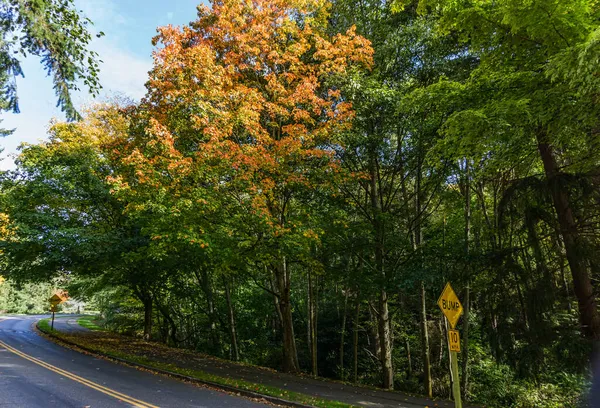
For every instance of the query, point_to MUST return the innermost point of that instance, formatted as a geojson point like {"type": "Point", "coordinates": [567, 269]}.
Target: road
{"type": "Point", "coordinates": [35, 372]}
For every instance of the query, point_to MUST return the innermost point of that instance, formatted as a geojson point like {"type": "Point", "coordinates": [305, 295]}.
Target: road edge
{"type": "Point", "coordinates": [227, 388]}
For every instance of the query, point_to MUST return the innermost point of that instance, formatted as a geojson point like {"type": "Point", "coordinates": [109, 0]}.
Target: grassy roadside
{"type": "Point", "coordinates": [44, 326]}
{"type": "Point", "coordinates": [90, 322]}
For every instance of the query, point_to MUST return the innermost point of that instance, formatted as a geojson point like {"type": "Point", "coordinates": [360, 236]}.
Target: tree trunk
{"type": "Point", "coordinates": [147, 318]}
{"type": "Point", "coordinates": [445, 335]}
{"type": "Point", "coordinates": [467, 299]}
{"type": "Point", "coordinates": [172, 326]}
{"type": "Point", "coordinates": [385, 338]}
{"type": "Point", "coordinates": [441, 328]}
{"type": "Point", "coordinates": [312, 325]}
{"type": "Point", "coordinates": [234, 344]}
{"type": "Point", "coordinates": [374, 328]}
{"type": "Point", "coordinates": [290, 354]}
{"type": "Point", "coordinates": [563, 275]}
{"type": "Point", "coordinates": [409, 359]}
{"type": "Point", "coordinates": [277, 322]}
{"type": "Point", "coordinates": [425, 341]}
{"type": "Point", "coordinates": [343, 334]}
{"type": "Point", "coordinates": [205, 283]}
{"type": "Point", "coordinates": [355, 342]}
{"type": "Point", "coordinates": [212, 316]}
{"type": "Point", "coordinates": [464, 381]}
{"type": "Point", "coordinates": [417, 240]}
{"type": "Point", "coordinates": [163, 328]}
{"type": "Point", "coordinates": [383, 317]}
{"type": "Point", "coordinates": [144, 295]}
{"type": "Point", "coordinates": [588, 311]}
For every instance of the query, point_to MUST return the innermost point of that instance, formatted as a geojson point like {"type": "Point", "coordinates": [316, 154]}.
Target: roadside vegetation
{"type": "Point", "coordinates": [91, 322]}
{"type": "Point", "coordinates": [44, 326]}
{"type": "Point", "coordinates": [31, 298]}
{"type": "Point", "coordinates": [303, 178]}
{"type": "Point", "coordinates": [149, 354]}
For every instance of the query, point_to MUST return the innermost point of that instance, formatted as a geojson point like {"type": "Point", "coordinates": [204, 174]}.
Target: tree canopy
{"type": "Point", "coordinates": [302, 178]}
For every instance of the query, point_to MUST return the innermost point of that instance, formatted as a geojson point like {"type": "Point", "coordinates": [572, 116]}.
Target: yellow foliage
{"type": "Point", "coordinates": [5, 230]}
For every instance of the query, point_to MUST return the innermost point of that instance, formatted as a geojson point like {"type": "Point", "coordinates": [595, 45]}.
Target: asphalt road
{"type": "Point", "coordinates": [35, 372]}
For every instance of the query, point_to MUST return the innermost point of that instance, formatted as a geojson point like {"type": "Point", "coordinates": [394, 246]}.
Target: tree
{"type": "Point", "coordinates": [269, 181]}
{"type": "Point", "coordinates": [54, 31]}
{"type": "Point", "coordinates": [70, 222]}
{"type": "Point", "coordinates": [521, 94]}
{"type": "Point", "coordinates": [389, 146]}
{"type": "Point", "coordinates": [244, 90]}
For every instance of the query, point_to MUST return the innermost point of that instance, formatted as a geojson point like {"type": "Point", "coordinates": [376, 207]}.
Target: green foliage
{"type": "Point", "coordinates": [562, 390]}
{"type": "Point", "coordinates": [54, 31]}
{"type": "Point", "coordinates": [441, 177]}
{"type": "Point", "coordinates": [29, 298]}
{"type": "Point", "coordinates": [497, 386]}
{"type": "Point", "coordinates": [121, 312]}
{"type": "Point", "coordinates": [495, 383]}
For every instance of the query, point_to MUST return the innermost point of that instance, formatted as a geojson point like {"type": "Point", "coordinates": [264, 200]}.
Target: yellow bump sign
{"type": "Point", "coordinates": [55, 300]}
{"type": "Point", "coordinates": [450, 305]}
{"type": "Point", "coordinates": [454, 340]}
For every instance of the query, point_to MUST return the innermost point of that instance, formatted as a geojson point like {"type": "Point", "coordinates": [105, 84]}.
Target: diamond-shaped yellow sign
{"type": "Point", "coordinates": [56, 300]}
{"type": "Point", "coordinates": [450, 305]}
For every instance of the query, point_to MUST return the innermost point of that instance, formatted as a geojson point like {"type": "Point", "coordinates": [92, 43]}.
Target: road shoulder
{"type": "Point", "coordinates": [252, 381]}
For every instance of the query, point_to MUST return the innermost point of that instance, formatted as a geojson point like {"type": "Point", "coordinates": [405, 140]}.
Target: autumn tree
{"type": "Point", "coordinates": [244, 88]}
{"type": "Point", "coordinates": [245, 201]}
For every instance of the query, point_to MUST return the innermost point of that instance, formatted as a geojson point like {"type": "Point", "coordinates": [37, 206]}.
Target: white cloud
{"type": "Point", "coordinates": [38, 105]}
{"type": "Point", "coordinates": [123, 72]}
{"type": "Point", "coordinates": [103, 11]}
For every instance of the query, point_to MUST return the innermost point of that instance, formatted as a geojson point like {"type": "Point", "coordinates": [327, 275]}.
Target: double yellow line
{"type": "Point", "coordinates": [130, 400]}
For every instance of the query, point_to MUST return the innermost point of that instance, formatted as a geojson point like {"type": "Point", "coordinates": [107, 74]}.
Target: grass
{"type": "Point", "coordinates": [44, 326]}
{"type": "Point", "coordinates": [90, 322]}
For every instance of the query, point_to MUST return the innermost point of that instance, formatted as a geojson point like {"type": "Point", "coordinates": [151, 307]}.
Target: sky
{"type": "Point", "coordinates": [126, 52]}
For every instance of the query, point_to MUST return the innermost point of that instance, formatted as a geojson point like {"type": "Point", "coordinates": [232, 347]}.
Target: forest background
{"type": "Point", "coordinates": [303, 177]}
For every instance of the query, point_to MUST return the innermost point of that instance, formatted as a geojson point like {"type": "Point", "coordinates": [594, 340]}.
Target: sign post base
{"type": "Point", "coordinates": [455, 381]}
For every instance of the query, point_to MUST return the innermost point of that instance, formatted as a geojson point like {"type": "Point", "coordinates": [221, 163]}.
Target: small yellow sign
{"type": "Point", "coordinates": [53, 308]}
{"type": "Point", "coordinates": [454, 340]}
{"type": "Point", "coordinates": [56, 299]}
{"type": "Point", "coordinates": [450, 305]}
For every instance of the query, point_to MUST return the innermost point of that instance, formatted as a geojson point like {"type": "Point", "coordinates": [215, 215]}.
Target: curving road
{"type": "Point", "coordinates": [35, 372]}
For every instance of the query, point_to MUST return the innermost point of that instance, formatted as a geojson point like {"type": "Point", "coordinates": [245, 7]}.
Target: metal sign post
{"type": "Point", "coordinates": [454, 376]}
{"type": "Point", "coordinates": [452, 309]}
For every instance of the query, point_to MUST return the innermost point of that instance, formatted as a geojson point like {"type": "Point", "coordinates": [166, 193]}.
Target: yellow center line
{"type": "Point", "coordinates": [81, 380]}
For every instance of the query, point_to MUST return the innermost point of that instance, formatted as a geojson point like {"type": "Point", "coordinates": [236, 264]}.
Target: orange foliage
{"type": "Point", "coordinates": [243, 91]}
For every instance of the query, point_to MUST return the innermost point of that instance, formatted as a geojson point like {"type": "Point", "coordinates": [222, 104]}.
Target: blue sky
{"type": "Point", "coordinates": [126, 50]}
